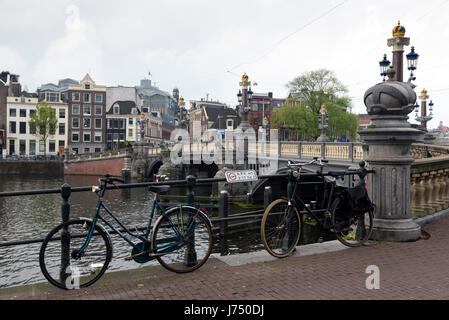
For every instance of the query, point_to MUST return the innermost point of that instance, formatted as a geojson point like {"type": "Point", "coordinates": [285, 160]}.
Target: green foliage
{"type": "Point", "coordinates": [43, 123]}
{"type": "Point", "coordinates": [315, 88]}
{"type": "Point", "coordinates": [297, 118]}
{"type": "Point", "coordinates": [308, 92]}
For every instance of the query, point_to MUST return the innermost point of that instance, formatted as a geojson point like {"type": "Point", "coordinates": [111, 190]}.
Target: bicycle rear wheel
{"type": "Point", "coordinates": [352, 231]}
{"type": "Point", "coordinates": [183, 238]}
{"type": "Point", "coordinates": [281, 228]}
{"type": "Point", "coordinates": [60, 263]}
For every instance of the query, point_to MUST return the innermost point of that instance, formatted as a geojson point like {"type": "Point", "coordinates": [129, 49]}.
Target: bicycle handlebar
{"type": "Point", "coordinates": [315, 160]}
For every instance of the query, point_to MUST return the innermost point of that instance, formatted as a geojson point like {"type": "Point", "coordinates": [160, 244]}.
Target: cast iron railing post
{"type": "Point", "coordinates": [361, 229]}
{"type": "Point", "coordinates": [223, 211]}
{"type": "Point", "coordinates": [267, 197]}
{"type": "Point", "coordinates": [65, 234]}
{"type": "Point", "coordinates": [190, 258]}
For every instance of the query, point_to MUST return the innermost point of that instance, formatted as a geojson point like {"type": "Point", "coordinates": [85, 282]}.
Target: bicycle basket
{"type": "Point", "coordinates": [357, 200]}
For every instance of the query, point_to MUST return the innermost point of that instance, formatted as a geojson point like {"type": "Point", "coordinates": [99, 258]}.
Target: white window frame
{"type": "Point", "coordinates": [75, 132]}
{"type": "Point", "coordinates": [98, 134]}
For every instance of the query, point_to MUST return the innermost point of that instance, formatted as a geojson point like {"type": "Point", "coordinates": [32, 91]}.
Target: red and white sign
{"type": "Point", "coordinates": [241, 176]}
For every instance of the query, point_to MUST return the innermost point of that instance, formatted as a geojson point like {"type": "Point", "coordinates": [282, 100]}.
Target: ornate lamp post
{"type": "Point", "coordinates": [412, 61]}
{"type": "Point", "coordinates": [384, 64]}
{"type": "Point", "coordinates": [244, 97]}
{"type": "Point", "coordinates": [182, 121]}
{"type": "Point", "coordinates": [323, 120]}
{"type": "Point", "coordinates": [424, 118]}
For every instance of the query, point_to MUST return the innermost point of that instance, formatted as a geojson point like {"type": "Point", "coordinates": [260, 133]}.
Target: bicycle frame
{"type": "Point", "coordinates": [295, 198]}
{"type": "Point", "coordinates": [98, 216]}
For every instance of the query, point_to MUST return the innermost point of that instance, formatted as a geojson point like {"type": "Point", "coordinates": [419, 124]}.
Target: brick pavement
{"type": "Point", "coordinates": [414, 270]}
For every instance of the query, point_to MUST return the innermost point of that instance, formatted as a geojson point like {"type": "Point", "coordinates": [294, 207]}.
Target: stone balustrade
{"type": "Point", "coordinates": [429, 190]}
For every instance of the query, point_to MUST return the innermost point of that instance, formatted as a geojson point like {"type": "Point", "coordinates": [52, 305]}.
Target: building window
{"type": "Point", "coordinates": [75, 123]}
{"type": "Point", "coordinates": [122, 123]}
{"type": "Point", "coordinates": [75, 136]}
{"type": "Point", "coordinates": [23, 113]}
{"type": "Point", "coordinates": [97, 136]}
{"type": "Point", "coordinates": [52, 97]}
{"type": "Point", "coordinates": [86, 136]}
{"type": "Point", "coordinates": [98, 123]}
{"type": "Point", "coordinates": [86, 97]}
{"type": "Point", "coordinates": [41, 146]}
{"type": "Point", "coordinates": [97, 150]}
{"type": "Point", "coordinates": [22, 147]}
{"type": "Point", "coordinates": [61, 128]}
{"type": "Point", "coordinates": [61, 113]}
{"type": "Point", "coordinates": [76, 96]}
{"type": "Point", "coordinates": [230, 123]}
{"type": "Point", "coordinates": [12, 127]}
{"type": "Point", "coordinates": [98, 110]}
{"type": "Point", "coordinates": [130, 120]}
{"type": "Point", "coordinates": [61, 143]}
{"type": "Point", "coordinates": [86, 150]}
{"type": "Point", "coordinates": [52, 146]}
{"type": "Point", "coordinates": [32, 147]}
{"type": "Point", "coordinates": [75, 150]}
{"type": "Point", "coordinates": [76, 109]}
{"type": "Point", "coordinates": [87, 86]}
{"type": "Point", "coordinates": [130, 132]}
{"type": "Point", "coordinates": [23, 127]}
{"type": "Point", "coordinates": [116, 109]}
{"type": "Point", "coordinates": [98, 97]}
{"type": "Point", "coordinates": [12, 113]}
{"type": "Point", "coordinates": [86, 123]}
{"type": "Point", "coordinates": [32, 112]}
{"type": "Point", "coordinates": [109, 136]}
{"type": "Point", "coordinates": [86, 110]}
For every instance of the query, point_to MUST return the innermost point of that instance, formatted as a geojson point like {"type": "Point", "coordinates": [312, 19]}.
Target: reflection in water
{"type": "Point", "coordinates": [30, 217]}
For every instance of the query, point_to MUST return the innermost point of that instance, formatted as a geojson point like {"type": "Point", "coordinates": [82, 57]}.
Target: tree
{"type": "Point", "coordinates": [43, 123]}
{"type": "Point", "coordinates": [295, 118]}
{"type": "Point", "coordinates": [313, 89]}
{"type": "Point", "coordinates": [316, 88]}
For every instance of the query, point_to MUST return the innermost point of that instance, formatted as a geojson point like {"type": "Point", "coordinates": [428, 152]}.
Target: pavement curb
{"type": "Point", "coordinates": [432, 217]}
{"type": "Point", "coordinates": [264, 256]}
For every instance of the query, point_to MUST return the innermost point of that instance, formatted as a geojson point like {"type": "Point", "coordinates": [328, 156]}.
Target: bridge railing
{"type": "Point", "coordinates": [429, 190]}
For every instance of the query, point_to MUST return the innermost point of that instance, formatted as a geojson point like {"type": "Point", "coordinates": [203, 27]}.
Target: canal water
{"type": "Point", "coordinates": [32, 217]}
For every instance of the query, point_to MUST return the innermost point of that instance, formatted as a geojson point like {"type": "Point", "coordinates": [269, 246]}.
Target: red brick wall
{"type": "Point", "coordinates": [96, 167]}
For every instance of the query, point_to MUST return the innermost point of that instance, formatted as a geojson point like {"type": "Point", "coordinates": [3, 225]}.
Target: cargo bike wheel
{"type": "Point", "coordinates": [351, 230]}
{"type": "Point", "coordinates": [281, 228]}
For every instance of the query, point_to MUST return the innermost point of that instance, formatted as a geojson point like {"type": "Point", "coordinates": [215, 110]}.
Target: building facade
{"type": "Point", "coordinates": [9, 87]}
{"type": "Point", "coordinates": [86, 110]}
{"type": "Point", "coordinates": [121, 124]}
{"type": "Point", "coordinates": [22, 140]}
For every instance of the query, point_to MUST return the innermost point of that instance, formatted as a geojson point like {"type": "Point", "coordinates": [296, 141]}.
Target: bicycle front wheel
{"type": "Point", "coordinates": [281, 228]}
{"type": "Point", "coordinates": [352, 231]}
{"type": "Point", "coordinates": [182, 239]}
{"type": "Point", "coordinates": [63, 265]}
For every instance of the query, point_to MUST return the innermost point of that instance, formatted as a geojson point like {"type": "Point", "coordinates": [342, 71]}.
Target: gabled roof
{"type": "Point", "coordinates": [125, 107]}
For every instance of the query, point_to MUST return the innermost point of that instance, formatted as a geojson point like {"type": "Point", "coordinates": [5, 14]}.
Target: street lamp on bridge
{"type": "Point", "coordinates": [244, 97]}
{"type": "Point", "coordinates": [323, 120]}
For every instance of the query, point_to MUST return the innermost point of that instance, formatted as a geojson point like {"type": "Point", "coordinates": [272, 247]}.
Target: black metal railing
{"type": "Point", "coordinates": [220, 223]}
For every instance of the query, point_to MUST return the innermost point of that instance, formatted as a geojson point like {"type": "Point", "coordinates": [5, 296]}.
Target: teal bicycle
{"type": "Point", "coordinates": [77, 253]}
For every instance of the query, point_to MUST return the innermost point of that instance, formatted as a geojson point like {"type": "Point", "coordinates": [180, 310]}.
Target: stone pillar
{"type": "Point", "coordinates": [389, 142]}
{"type": "Point", "coordinates": [398, 42]}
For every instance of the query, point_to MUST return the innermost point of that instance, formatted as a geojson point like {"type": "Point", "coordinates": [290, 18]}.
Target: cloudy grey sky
{"type": "Point", "coordinates": [203, 46]}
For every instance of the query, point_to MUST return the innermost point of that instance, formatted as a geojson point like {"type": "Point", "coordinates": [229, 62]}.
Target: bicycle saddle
{"type": "Point", "coordinates": [159, 189]}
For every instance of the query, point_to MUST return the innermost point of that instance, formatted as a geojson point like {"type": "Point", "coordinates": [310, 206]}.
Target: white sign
{"type": "Point", "coordinates": [241, 176]}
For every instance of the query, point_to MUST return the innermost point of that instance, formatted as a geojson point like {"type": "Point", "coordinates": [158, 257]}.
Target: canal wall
{"type": "Point", "coordinates": [32, 167]}
{"type": "Point", "coordinates": [98, 166]}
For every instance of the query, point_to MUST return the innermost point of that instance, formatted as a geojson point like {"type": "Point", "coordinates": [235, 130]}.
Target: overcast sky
{"type": "Point", "coordinates": [204, 46]}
